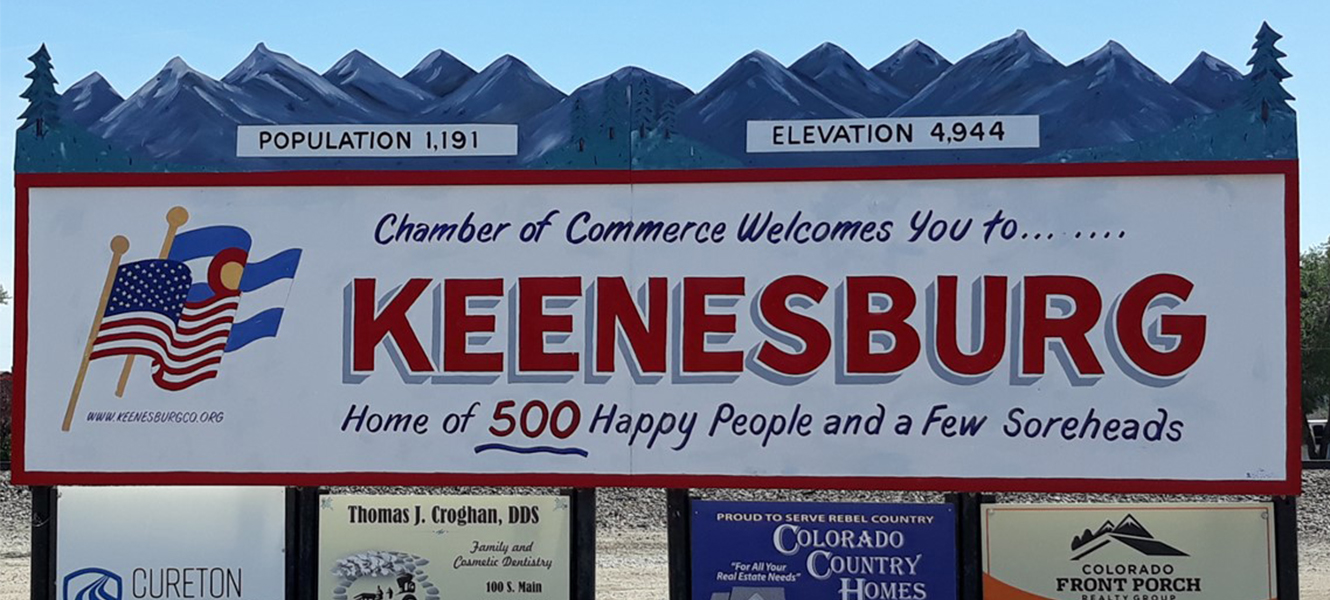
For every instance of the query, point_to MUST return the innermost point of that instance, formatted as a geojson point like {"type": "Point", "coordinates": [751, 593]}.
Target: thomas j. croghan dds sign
{"type": "Point", "coordinates": [1026, 328]}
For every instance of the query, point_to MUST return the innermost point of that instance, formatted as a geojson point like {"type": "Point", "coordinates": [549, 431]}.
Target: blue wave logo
{"type": "Point", "coordinates": [92, 583]}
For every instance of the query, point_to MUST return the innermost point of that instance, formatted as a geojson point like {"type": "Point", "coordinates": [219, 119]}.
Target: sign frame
{"type": "Point", "coordinates": [953, 561]}
{"type": "Point", "coordinates": [581, 542]}
{"type": "Point", "coordinates": [1275, 559]}
{"type": "Point", "coordinates": [1289, 485]}
{"type": "Point", "coordinates": [94, 501]}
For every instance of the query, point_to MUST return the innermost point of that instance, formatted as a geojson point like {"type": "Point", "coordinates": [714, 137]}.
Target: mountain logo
{"type": "Point", "coordinates": [1128, 532]}
{"type": "Point", "coordinates": [92, 583]}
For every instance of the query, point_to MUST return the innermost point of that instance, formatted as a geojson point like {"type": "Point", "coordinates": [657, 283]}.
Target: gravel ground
{"type": "Point", "coordinates": [631, 547]}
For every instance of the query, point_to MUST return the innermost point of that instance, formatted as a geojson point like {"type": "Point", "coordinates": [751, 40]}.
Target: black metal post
{"type": "Point", "coordinates": [292, 540]}
{"type": "Point", "coordinates": [678, 527]}
{"type": "Point", "coordinates": [1286, 547]}
{"type": "Point", "coordinates": [42, 569]}
{"type": "Point", "coordinates": [307, 547]}
{"type": "Point", "coordinates": [969, 529]}
{"type": "Point", "coordinates": [583, 543]}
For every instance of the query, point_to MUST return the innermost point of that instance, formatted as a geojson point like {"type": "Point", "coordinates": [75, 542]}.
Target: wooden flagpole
{"type": "Point", "coordinates": [119, 246]}
{"type": "Point", "coordinates": [174, 219]}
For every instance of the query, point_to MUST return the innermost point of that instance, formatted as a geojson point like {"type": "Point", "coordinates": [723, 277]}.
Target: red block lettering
{"type": "Point", "coordinates": [457, 325]}
{"type": "Point", "coordinates": [697, 323]}
{"type": "Point", "coordinates": [369, 329]}
{"type": "Point", "coordinates": [1188, 329]}
{"type": "Point", "coordinates": [1071, 329]}
{"type": "Point", "coordinates": [615, 307]}
{"type": "Point", "coordinates": [776, 312]}
{"type": "Point", "coordinates": [861, 322]}
{"type": "Point", "coordinates": [995, 327]}
{"type": "Point", "coordinates": [533, 324]}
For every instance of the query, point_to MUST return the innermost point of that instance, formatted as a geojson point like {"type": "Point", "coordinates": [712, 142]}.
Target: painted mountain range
{"type": "Point", "coordinates": [1107, 106]}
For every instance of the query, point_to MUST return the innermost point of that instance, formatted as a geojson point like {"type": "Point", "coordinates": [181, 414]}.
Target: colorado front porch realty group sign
{"type": "Point", "coordinates": [1147, 551]}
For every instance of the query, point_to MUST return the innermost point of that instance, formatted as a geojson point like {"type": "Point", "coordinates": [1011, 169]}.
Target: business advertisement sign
{"type": "Point", "coordinates": [1168, 551]}
{"type": "Point", "coordinates": [432, 547]}
{"type": "Point", "coordinates": [1047, 327]}
{"type": "Point", "coordinates": [807, 551]}
{"type": "Point", "coordinates": [123, 543]}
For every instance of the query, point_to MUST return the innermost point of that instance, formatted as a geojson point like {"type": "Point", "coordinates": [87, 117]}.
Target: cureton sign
{"type": "Point", "coordinates": [1026, 327]}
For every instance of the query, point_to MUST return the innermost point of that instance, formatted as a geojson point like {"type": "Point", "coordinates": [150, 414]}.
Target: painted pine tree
{"type": "Point", "coordinates": [644, 109]}
{"type": "Point", "coordinates": [579, 123]}
{"type": "Point", "coordinates": [1267, 94]}
{"type": "Point", "coordinates": [669, 114]}
{"type": "Point", "coordinates": [615, 103]}
{"type": "Point", "coordinates": [43, 110]}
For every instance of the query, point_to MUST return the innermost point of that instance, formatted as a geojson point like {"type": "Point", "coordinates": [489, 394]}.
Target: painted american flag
{"type": "Point", "coordinates": [149, 313]}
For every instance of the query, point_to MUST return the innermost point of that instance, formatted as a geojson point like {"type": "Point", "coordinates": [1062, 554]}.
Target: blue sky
{"type": "Point", "coordinates": [571, 43]}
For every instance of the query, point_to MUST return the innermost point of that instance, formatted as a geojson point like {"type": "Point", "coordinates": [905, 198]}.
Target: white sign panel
{"type": "Point", "coordinates": [123, 543]}
{"type": "Point", "coordinates": [1148, 551]}
{"type": "Point", "coordinates": [312, 141]}
{"type": "Point", "coordinates": [431, 547]}
{"type": "Point", "coordinates": [1122, 329]}
{"type": "Point", "coordinates": [911, 133]}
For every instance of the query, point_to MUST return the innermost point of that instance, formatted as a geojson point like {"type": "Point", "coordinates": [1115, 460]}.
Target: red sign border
{"type": "Point", "coordinates": [1290, 485]}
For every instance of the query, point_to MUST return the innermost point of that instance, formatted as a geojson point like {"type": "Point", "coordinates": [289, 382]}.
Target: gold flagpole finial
{"type": "Point", "coordinates": [176, 217]}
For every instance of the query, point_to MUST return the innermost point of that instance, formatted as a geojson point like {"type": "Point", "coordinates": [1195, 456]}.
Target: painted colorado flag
{"type": "Point", "coordinates": [181, 311]}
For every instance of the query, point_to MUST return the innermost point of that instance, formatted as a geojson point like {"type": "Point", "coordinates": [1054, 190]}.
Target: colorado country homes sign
{"type": "Point", "coordinates": [617, 288]}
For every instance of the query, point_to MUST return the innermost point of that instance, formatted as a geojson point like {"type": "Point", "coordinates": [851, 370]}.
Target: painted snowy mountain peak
{"type": "Point", "coordinates": [90, 86]}
{"type": "Point", "coordinates": [88, 100]}
{"type": "Point", "coordinates": [357, 65]}
{"type": "Point", "coordinates": [759, 80]}
{"type": "Point", "coordinates": [1004, 77]}
{"type": "Point", "coordinates": [263, 64]}
{"type": "Point", "coordinates": [919, 52]}
{"type": "Point", "coordinates": [506, 91]}
{"type": "Point", "coordinates": [912, 67]}
{"type": "Point", "coordinates": [375, 87]}
{"type": "Point", "coordinates": [1209, 63]}
{"type": "Point", "coordinates": [1112, 60]}
{"type": "Point", "coordinates": [1114, 98]}
{"type": "Point", "coordinates": [825, 57]}
{"type": "Point", "coordinates": [838, 75]}
{"type": "Point", "coordinates": [290, 92]}
{"type": "Point", "coordinates": [178, 90]}
{"type": "Point", "coordinates": [509, 69]}
{"type": "Point", "coordinates": [1018, 46]}
{"type": "Point", "coordinates": [180, 115]}
{"type": "Point", "coordinates": [439, 73]}
{"type": "Point", "coordinates": [1211, 82]}
{"type": "Point", "coordinates": [755, 87]}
